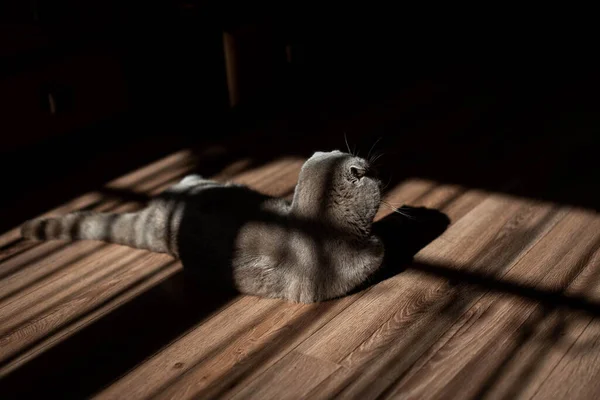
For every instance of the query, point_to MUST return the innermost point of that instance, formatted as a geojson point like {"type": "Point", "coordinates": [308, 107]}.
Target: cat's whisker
{"type": "Point", "coordinates": [397, 210]}
{"type": "Point", "coordinates": [347, 145]}
{"type": "Point", "coordinates": [370, 158]}
{"type": "Point", "coordinates": [387, 184]}
{"type": "Point", "coordinates": [392, 205]}
{"type": "Point", "coordinates": [375, 158]}
{"type": "Point", "coordinates": [371, 149]}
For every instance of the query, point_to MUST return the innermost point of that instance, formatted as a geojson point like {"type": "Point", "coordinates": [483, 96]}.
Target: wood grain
{"type": "Point", "coordinates": [291, 378]}
{"type": "Point", "coordinates": [504, 304]}
{"type": "Point", "coordinates": [500, 325]}
{"type": "Point", "coordinates": [576, 375]}
{"type": "Point", "coordinates": [421, 311]}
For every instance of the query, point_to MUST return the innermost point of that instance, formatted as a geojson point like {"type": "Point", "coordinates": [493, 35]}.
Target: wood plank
{"type": "Point", "coordinates": [210, 339]}
{"type": "Point", "coordinates": [89, 316]}
{"type": "Point", "coordinates": [574, 374]}
{"type": "Point", "coordinates": [69, 276]}
{"type": "Point", "coordinates": [462, 245]}
{"type": "Point", "coordinates": [24, 335]}
{"type": "Point", "coordinates": [290, 378]}
{"type": "Point", "coordinates": [499, 326]}
{"type": "Point", "coordinates": [485, 239]}
{"type": "Point", "coordinates": [270, 338]}
{"type": "Point", "coordinates": [577, 374]}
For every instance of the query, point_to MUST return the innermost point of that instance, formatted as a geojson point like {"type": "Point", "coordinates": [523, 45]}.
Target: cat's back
{"type": "Point", "coordinates": [213, 197]}
{"type": "Point", "coordinates": [232, 199]}
{"type": "Point", "coordinates": [211, 217]}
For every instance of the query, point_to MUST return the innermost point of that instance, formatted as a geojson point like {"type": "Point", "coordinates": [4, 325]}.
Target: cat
{"type": "Point", "coordinates": [317, 247]}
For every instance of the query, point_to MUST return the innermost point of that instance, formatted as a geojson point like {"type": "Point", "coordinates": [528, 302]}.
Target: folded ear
{"type": "Point", "coordinates": [318, 154]}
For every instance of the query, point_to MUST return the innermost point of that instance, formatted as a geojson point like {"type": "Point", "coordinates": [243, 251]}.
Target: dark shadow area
{"type": "Point", "coordinates": [488, 140]}
{"type": "Point", "coordinates": [446, 107]}
{"type": "Point", "coordinates": [551, 299]}
{"type": "Point", "coordinates": [106, 349]}
{"type": "Point", "coordinates": [403, 237]}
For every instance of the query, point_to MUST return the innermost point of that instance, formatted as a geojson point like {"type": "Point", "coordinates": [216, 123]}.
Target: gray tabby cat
{"type": "Point", "coordinates": [316, 248]}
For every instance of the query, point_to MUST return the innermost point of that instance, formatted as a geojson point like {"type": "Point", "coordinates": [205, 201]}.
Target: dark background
{"type": "Point", "coordinates": [487, 96]}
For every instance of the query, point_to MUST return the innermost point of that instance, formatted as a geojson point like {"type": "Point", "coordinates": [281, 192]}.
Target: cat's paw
{"type": "Point", "coordinates": [193, 178]}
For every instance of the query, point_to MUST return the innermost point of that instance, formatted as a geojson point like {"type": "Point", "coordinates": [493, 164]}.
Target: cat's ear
{"type": "Point", "coordinates": [323, 153]}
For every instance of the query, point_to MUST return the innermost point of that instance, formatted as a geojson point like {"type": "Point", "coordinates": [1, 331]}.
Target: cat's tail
{"type": "Point", "coordinates": [129, 229]}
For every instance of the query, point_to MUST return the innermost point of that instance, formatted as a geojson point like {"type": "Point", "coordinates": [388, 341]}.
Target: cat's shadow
{"type": "Point", "coordinates": [404, 234]}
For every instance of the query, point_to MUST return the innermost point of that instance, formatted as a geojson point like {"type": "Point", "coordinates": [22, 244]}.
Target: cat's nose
{"type": "Point", "coordinates": [363, 165]}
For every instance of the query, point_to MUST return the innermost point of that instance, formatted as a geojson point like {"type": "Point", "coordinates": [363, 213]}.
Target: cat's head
{"type": "Point", "coordinates": [340, 187]}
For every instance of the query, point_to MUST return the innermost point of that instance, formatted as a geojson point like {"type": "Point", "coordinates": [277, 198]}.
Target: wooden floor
{"type": "Point", "coordinates": [504, 304]}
